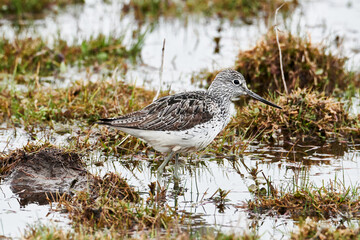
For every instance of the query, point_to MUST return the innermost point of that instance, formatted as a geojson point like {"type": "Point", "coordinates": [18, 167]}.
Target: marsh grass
{"type": "Point", "coordinates": [306, 65]}
{"type": "Point", "coordinates": [8, 161]}
{"type": "Point", "coordinates": [37, 232]}
{"type": "Point", "coordinates": [306, 116]}
{"type": "Point", "coordinates": [310, 229]}
{"type": "Point", "coordinates": [331, 201]}
{"type": "Point", "coordinates": [107, 203]}
{"type": "Point", "coordinates": [112, 204]}
{"type": "Point", "coordinates": [243, 9]}
{"type": "Point", "coordinates": [53, 232]}
{"type": "Point", "coordinates": [74, 110]}
{"type": "Point", "coordinates": [30, 58]}
{"type": "Point", "coordinates": [82, 101]}
{"type": "Point", "coordinates": [314, 76]}
{"type": "Point", "coordinates": [31, 9]}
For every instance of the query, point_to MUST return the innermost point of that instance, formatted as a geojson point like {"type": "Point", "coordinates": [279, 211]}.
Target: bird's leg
{"type": "Point", "coordinates": [176, 178]}
{"type": "Point", "coordinates": [161, 168]}
{"type": "Point", "coordinates": [176, 169]}
{"type": "Point", "coordinates": [160, 171]}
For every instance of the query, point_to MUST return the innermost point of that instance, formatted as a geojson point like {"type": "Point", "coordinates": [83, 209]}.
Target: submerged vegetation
{"type": "Point", "coordinates": [230, 9]}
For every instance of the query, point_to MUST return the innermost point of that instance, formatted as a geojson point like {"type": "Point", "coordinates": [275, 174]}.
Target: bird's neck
{"type": "Point", "coordinates": [221, 96]}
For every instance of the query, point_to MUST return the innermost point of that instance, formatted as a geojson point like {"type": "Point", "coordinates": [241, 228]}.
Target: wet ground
{"type": "Point", "coordinates": [189, 48]}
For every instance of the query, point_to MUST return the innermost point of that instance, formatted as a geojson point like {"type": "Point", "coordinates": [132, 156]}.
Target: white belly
{"type": "Point", "coordinates": [179, 141]}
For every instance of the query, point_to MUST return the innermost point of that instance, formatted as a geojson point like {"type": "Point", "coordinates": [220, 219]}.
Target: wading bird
{"type": "Point", "coordinates": [186, 122]}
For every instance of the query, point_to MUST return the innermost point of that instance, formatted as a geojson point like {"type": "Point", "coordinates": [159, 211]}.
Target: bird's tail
{"type": "Point", "coordinates": [105, 121]}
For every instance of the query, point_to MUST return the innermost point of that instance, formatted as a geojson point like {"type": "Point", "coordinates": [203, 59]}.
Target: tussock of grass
{"type": "Point", "coordinates": [306, 65]}
{"type": "Point", "coordinates": [25, 9]}
{"type": "Point", "coordinates": [116, 187]}
{"type": "Point", "coordinates": [9, 160]}
{"type": "Point", "coordinates": [32, 57]}
{"type": "Point", "coordinates": [332, 201]}
{"type": "Point", "coordinates": [113, 204]}
{"type": "Point", "coordinates": [311, 229]}
{"type": "Point", "coordinates": [224, 9]}
{"type": "Point", "coordinates": [305, 116]}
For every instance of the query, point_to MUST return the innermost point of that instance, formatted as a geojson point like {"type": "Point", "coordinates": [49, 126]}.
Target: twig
{"type": "Point", "coordinates": [122, 141]}
{"type": "Point", "coordinates": [278, 43]}
{"type": "Point", "coordinates": [161, 71]}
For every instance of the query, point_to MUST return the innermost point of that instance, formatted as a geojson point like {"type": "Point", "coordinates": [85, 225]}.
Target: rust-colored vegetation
{"type": "Point", "coordinates": [9, 160]}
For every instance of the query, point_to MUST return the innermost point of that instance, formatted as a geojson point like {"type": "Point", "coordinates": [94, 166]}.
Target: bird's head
{"type": "Point", "coordinates": [232, 84]}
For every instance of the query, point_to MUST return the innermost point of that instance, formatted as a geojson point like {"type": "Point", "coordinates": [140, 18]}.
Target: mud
{"type": "Point", "coordinates": [45, 175]}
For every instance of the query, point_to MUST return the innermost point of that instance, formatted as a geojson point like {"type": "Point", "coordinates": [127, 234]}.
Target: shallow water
{"type": "Point", "coordinates": [14, 217]}
{"type": "Point", "coordinates": [203, 176]}
{"type": "Point", "coordinates": [190, 48]}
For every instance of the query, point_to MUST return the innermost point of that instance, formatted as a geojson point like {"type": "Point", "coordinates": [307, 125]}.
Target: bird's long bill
{"type": "Point", "coordinates": [257, 97]}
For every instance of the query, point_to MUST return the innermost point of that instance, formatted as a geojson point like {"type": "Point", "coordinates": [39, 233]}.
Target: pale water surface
{"type": "Point", "coordinates": [190, 48]}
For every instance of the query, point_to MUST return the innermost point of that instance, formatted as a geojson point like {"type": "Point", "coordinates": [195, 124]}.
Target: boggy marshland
{"type": "Point", "coordinates": [289, 174]}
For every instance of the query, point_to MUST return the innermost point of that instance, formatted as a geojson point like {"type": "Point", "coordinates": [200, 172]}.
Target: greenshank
{"type": "Point", "coordinates": [186, 122]}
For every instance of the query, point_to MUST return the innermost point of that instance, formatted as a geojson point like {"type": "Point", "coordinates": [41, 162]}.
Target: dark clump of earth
{"type": "Point", "coordinates": [46, 175]}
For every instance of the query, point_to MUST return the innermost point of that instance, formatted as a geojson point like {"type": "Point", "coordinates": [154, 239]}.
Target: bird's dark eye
{"type": "Point", "coordinates": [236, 82]}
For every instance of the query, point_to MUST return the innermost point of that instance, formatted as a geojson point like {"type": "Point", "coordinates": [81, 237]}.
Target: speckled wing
{"type": "Point", "coordinates": [173, 113]}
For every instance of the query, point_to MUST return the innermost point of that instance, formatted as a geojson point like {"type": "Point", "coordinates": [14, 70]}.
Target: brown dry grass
{"type": "Point", "coordinates": [332, 201]}
{"type": "Point", "coordinates": [306, 65]}
{"type": "Point", "coordinates": [311, 229]}
{"type": "Point", "coordinates": [305, 116]}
